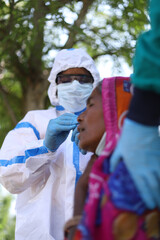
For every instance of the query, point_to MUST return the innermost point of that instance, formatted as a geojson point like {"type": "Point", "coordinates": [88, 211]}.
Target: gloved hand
{"type": "Point", "coordinates": [139, 148]}
{"type": "Point", "coordinates": [58, 130]}
{"type": "Point", "coordinates": [75, 139]}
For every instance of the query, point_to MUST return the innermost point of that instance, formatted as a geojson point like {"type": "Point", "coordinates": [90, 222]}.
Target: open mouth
{"type": "Point", "coordinates": [80, 129]}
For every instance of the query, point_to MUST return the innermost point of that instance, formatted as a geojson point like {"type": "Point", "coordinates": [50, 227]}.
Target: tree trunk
{"type": "Point", "coordinates": [34, 95]}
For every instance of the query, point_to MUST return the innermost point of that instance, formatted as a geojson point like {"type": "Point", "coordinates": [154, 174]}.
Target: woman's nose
{"type": "Point", "coordinates": [80, 117]}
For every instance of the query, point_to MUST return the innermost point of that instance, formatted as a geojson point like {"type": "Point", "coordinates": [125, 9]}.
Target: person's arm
{"type": "Point", "coordinates": [82, 188]}
{"type": "Point", "coordinates": [139, 144]}
{"type": "Point", "coordinates": [23, 157]}
{"type": "Point", "coordinates": [146, 63]}
{"type": "Point", "coordinates": [144, 107]}
{"type": "Point", "coordinates": [80, 197]}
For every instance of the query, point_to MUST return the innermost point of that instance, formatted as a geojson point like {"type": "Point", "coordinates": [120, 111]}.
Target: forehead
{"type": "Point", "coordinates": [96, 96]}
{"type": "Point", "coordinates": [76, 71]}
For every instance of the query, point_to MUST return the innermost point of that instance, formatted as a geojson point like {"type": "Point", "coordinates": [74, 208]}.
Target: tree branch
{"type": "Point", "coordinates": [76, 26]}
{"type": "Point", "coordinates": [37, 44]}
{"type": "Point", "coordinates": [10, 47]}
{"type": "Point", "coordinates": [57, 4]}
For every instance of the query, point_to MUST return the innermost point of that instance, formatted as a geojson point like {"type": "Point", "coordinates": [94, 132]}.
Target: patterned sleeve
{"type": "Point", "coordinates": [124, 194]}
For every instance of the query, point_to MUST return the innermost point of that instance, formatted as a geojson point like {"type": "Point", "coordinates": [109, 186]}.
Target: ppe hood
{"type": "Point", "coordinates": [70, 58]}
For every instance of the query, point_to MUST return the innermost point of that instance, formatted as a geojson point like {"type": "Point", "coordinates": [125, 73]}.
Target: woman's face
{"type": "Point", "coordinates": [91, 123]}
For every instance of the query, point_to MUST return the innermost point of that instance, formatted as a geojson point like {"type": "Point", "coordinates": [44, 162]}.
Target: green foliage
{"type": "Point", "coordinates": [30, 31]}
{"type": "Point", "coordinates": [114, 26]}
{"type": "Point", "coordinates": [7, 222]}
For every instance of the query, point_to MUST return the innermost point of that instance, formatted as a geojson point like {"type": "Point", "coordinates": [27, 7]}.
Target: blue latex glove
{"type": "Point", "coordinates": [139, 148]}
{"type": "Point", "coordinates": [58, 130]}
{"type": "Point", "coordinates": [75, 139]}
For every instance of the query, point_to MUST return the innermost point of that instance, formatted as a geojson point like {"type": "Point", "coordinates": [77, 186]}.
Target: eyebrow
{"type": "Point", "coordinates": [88, 100]}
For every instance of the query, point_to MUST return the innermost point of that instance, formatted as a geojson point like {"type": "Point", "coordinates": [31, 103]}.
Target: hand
{"type": "Point", "coordinates": [58, 130]}
{"type": "Point", "coordinates": [75, 139]}
{"type": "Point", "coordinates": [139, 148]}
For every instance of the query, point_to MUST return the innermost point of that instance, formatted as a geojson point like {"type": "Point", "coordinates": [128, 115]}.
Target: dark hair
{"type": "Point", "coordinates": [99, 87]}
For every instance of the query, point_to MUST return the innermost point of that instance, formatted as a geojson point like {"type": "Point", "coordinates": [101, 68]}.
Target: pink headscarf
{"type": "Point", "coordinates": [116, 98]}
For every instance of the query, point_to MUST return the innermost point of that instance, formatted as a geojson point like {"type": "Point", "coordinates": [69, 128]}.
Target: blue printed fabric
{"type": "Point", "coordinates": [124, 193]}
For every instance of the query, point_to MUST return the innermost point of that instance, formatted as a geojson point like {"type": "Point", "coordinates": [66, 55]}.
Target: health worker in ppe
{"type": "Point", "coordinates": [38, 160]}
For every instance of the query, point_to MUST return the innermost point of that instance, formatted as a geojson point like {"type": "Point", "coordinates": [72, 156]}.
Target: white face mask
{"type": "Point", "coordinates": [73, 96]}
{"type": "Point", "coordinates": [101, 144]}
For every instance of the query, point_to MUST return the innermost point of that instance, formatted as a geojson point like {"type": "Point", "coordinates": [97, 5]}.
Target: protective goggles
{"type": "Point", "coordinates": [81, 78]}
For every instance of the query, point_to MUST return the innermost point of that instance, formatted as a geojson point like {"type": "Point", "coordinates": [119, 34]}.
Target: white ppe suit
{"type": "Point", "coordinates": [43, 180]}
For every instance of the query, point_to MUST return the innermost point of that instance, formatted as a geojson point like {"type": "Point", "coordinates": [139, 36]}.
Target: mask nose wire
{"type": "Point", "coordinates": [74, 81]}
